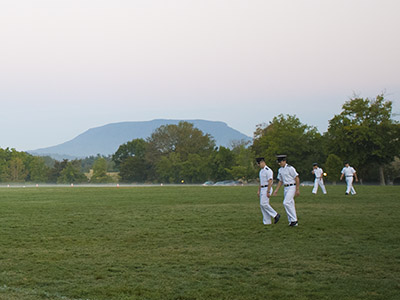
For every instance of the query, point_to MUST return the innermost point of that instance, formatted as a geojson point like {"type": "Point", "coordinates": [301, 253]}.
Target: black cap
{"type": "Point", "coordinates": [315, 164]}
{"type": "Point", "coordinates": [281, 157]}
{"type": "Point", "coordinates": [259, 159]}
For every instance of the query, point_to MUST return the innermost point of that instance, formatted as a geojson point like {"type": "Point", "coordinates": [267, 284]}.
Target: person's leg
{"type": "Point", "coordinates": [315, 189]}
{"type": "Point", "coordinates": [264, 205]}
{"type": "Point", "coordinates": [321, 183]}
{"type": "Point", "coordinates": [288, 203]}
{"type": "Point", "coordinates": [269, 209]}
{"type": "Point", "coordinates": [349, 181]}
{"type": "Point", "coordinates": [353, 191]}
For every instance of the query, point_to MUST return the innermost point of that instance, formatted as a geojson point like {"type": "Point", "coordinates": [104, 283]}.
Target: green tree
{"type": "Point", "coordinates": [333, 166]}
{"type": "Point", "coordinates": [72, 173]}
{"type": "Point", "coordinates": [195, 169]}
{"type": "Point", "coordinates": [169, 168]}
{"type": "Point", "coordinates": [244, 168]}
{"type": "Point", "coordinates": [14, 165]}
{"type": "Point", "coordinates": [130, 159]}
{"type": "Point", "coordinates": [134, 169]}
{"type": "Point", "coordinates": [365, 134]}
{"type": "Point", "coordinates": [16, 170]}
{"type": "Point", "coordinates": [100, 172]}
{"type": "Point", "coordinates": [183, 138]}
{"type": "Point", "coordinates": [5, 156]}
{"type": "Point", "coordinates": [222, 161]}
{"type": "Point", "coordinates": [55, 172]}
{"type": "Point", "coordinates": [178, 143]}
{"type": "Point", "coordinates": [38, 171]}
{"type": "Point", "coordinates": [287, 135]}
{"type": "Point", "coordinates": [134, 148]}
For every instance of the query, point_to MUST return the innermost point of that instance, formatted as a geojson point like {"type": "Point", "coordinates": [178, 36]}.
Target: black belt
{"type": "Point", "coordinates": [263, 186]}
{"type": "Point", "coordinates": [291, 184]}
{"type": "Point", "coordinates": [349, 175]}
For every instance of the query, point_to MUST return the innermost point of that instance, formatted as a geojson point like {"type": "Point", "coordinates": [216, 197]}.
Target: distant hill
{"type": "Point", "coordinates": [106, 139]}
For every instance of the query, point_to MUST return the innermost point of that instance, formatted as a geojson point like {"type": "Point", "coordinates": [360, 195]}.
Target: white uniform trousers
{"type": "Point", "coordinates": [350, 189]}
{"type": "Point", "coordinates": [320, 182]}
{"type": "Point", "coordinates": [266, 209]}
{"type": "Point", "coordinates": [288, 203]}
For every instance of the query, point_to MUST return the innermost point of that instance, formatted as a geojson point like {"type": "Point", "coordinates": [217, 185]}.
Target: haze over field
{"type": "Point", "coordinates": [67, 66]}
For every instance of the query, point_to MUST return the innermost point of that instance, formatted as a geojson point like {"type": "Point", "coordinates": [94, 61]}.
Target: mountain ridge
{"type": "Point", "coordinates": [106, 139]}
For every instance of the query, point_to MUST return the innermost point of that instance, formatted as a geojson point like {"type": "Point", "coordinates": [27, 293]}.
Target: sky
{"type": "Point", "coordinates": [70, 65]}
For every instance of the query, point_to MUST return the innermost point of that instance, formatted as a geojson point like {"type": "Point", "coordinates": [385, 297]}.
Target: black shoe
{"type": "Point", "coordinates": [293, 224]}
{"type": "Point", "coordinates": [346, 193]}
{"type": "Point", "coordinates": [277, 217]}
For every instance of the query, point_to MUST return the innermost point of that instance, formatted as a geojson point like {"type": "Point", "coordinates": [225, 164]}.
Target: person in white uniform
{"type": "Point", "coordinates": [265, 191]}
{"type": "Point", "coordinates": [289, 178]}
{"type": "Point", "coordinates": [319, 181]}
{"type": "Point", "coordinates": [349, 173]}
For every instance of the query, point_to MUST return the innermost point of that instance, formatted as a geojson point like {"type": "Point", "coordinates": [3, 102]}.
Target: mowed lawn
{"type": "Point", "coordinates": [194, 242]}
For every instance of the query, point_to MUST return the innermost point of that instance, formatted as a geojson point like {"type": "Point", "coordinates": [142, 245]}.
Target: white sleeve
{"type": "Point", "coordinates": [270, 175]}
{"type": "Point", "coordinates": [293, 172]}
{"type": "Point", "coordinates": [279, 177]}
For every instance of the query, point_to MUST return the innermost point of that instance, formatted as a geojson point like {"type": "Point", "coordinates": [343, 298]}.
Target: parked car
{"type": "Point", "coordinates": [208, 183]}
{"type": "Point", "coordinates": [228, 183]}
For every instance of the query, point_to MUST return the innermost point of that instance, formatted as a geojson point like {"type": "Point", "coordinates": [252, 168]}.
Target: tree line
{"type": "Point", "coordinates": [364, 133]}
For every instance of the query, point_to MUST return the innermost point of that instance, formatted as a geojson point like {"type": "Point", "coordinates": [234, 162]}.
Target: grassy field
{"type": "Point", "coordinates": [189, 243]}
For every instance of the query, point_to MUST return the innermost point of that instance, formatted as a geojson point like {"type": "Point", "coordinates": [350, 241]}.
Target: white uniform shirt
{"type": "Point", "coordinates": [348, 171]}
{"type": "Point", "coordinates": [287, 174]}
{"type": "Point", "coordinates": [265, 175]}
{"type": "Point", "coordinates": [318, 172]}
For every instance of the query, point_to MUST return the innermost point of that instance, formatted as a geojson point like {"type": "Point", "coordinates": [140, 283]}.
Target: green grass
{"type": "Point", "coordinates": [187, 243]}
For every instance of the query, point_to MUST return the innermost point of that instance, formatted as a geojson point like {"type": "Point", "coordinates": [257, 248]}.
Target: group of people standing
{"type": "Point", "coordinates": [289, 178]}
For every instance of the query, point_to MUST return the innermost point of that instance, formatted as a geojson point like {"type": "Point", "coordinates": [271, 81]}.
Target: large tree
{"type": "Point", "coordinates": [222, 160]}
{"type": "Point", "coordinates": [55, 172]}
{"type": "Point", "coordinates": [244, 168]}
{"type": "Point", "coordinates": [173, 150]}
{"type": "Point", "coordinates": [183, 139]}
{"type": "Point", "coordinates": [18, 166]}
{"type": "Point", "coordinates": [38, 171]}
{"type": "Point", "coordinates": [16, 170]}
{"type": "Point", "coordinates": [135, 148]}
{"type": "Point", "coordinates": [171, 154]}
{"type": "Point", "coordinates": [365, 133]}
{"type": "Point", "coordinates": [134, 169]}
{"type": "Point", "coordinates": [131, 160]}
{"type": "Point", "coordinates": [100, 172]}
{"type": "Point", "coordinates": [333, 166]}
{"type": "Point", "coordinates": [287, 135]}
{"type": "Point", "coordinates": [72, 173]}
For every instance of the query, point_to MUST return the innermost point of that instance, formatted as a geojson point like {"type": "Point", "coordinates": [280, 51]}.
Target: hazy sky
{"type": "Point", "coordinates": [70, 65]}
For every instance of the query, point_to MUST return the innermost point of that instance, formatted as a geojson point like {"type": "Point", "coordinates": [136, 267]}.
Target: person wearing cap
{"type": "Point", "coordinates": [349, 173]}
{"type": "Point", "coordinates": [319, 173]}
{"type": "Point", "coordinates": [289, 178]}
{"type": "Point", "coordinates": [265, 191]}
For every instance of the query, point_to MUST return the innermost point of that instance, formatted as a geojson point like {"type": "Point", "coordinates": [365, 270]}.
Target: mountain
{"type": "Point", "coordinates": [105, 140]}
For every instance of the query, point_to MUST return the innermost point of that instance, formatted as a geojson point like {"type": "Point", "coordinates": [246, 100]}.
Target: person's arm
{"type": "Point", "coordinates": [277, 188]}
{"type": "Point", "coordinates": [269, 187]}
{"type": "Point", "coordinates": [297, 186]}
{"type": "Point", "coordinates": [355, 175]}
{"type": "Point", "coordinates": [341, 176]}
